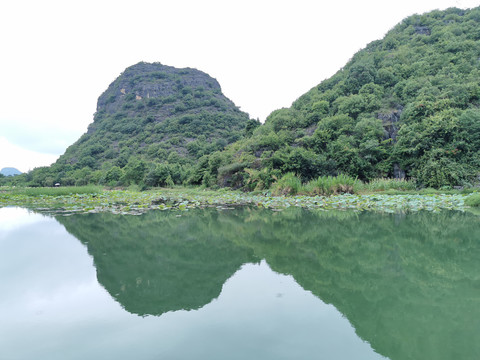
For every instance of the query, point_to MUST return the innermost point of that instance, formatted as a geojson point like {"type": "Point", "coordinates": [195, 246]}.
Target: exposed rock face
{"type": "Point", "coordinates": [390, 123]}
{"type": "Point", "coordinates": [398, 172]}
{"type": "Point", "coordinates": [422, 30]}
{"type": "Point", "coordinates": [144, 81]}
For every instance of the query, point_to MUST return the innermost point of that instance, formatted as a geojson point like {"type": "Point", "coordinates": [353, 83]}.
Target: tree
{"type": "Point", "coordinates": [251, 126]}
{"type": "Point", "coordinates": [134, 171]}
{"type": "Point", "coordinates": [113, 176]}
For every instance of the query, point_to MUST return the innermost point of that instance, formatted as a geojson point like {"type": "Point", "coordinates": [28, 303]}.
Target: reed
{"type": "Point", "coordinates": [384, 184]}
{"type": "Point", "coordinates": [331, 185]}
{"type": "Point", "coordinates": [288, 184]}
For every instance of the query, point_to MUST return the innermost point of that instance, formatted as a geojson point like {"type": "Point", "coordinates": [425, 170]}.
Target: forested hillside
{"type": "Point", "coordinates": [406, 105]}
{"type": "Point", "coordinates": [151, 125]}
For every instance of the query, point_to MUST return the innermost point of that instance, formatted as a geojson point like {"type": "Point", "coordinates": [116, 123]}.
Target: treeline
{"type": "Point", "coordinates": [136, 171]}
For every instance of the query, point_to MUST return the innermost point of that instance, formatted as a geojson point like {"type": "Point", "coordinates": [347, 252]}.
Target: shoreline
{"type": "Point", "coordinates": [129, 202]}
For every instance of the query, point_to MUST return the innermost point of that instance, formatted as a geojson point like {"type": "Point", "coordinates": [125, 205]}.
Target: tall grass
{"type": "Point", "coordinates": [473, 200]}
{"type": "Point", "coordinates": [290, 184]}
{"type": "Point", "coordinates": [59, 191]}
{"type": "Point", "coordinates": [331, 185]}
{"type": "Point", "coordinates": [384, 184]}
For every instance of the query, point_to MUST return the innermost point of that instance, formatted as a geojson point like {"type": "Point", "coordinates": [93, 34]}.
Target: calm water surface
{"type": "Point", "coordinates": [239, 284]}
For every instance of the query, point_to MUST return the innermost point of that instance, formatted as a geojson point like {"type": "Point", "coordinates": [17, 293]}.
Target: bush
{"type": "Point", "coordinates": [231, 175]}
{"type": "Point", "coordinates": [443, 171]}
{"type": "Point", "coordinates": [113, 175]}
{"type": "Point", "coordinates": [260, 179]}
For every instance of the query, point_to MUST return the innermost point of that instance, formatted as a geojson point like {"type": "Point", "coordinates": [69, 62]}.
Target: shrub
{"type": "Point", "coordinates": [260, 179]}
{"type": "Point", "coordinates": [113, 175]}
{"type": "Point", "coordinates": [439, 172]}
{"type": "Point", "coordinates": [231, 175]}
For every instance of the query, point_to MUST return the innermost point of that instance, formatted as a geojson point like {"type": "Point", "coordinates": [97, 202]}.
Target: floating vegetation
{"type": "Point", "coordinates": [136, 203]}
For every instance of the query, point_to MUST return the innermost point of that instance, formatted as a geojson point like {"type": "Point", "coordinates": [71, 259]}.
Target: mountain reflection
{"type": "Point", "coordinates": [409, 284]}
{"type": "Point", "coordinates": [159, 262]}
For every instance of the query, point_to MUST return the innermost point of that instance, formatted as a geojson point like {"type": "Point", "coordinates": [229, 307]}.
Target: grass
{"type": "Point", "coordinates": [58, 191]}
{"type": "Point", "coordinates": [473, 200]}
{"type": "Point", "coordinates": [331, 185]}
{"type": "Point", "coordinates": [384, 184]}
{"type": "Point", "coordinates": [290, 184]}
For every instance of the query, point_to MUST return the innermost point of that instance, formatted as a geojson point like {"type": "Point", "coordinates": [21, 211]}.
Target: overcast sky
{"type": "Point", "coordinates": [57, 57]}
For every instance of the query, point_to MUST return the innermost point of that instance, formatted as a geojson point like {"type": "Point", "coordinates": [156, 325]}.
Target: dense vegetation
{"type": "Point", "coordinates": [407, 105]}
{"type": "Point", "coordinates": [151, 125]}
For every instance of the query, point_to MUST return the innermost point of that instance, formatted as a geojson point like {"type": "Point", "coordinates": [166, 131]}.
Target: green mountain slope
{"type": "Point", "coordinates": [406, 105]}
{"type": "Point", "coordinates": [151, 125]}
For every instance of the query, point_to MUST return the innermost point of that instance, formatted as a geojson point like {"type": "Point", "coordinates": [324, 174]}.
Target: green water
{"type": "Point", "coordinates": [240, 284]}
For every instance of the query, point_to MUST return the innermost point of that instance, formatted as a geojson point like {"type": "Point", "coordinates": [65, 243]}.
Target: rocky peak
{"type": "Point", "coordinates": [154, 80]}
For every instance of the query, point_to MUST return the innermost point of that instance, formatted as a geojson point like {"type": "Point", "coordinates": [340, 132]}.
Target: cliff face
{"type": "Point", "coordinates": [145, 81]}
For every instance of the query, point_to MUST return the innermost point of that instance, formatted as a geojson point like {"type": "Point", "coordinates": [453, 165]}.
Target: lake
{"type": "Point", "coordinates": [240, 283]}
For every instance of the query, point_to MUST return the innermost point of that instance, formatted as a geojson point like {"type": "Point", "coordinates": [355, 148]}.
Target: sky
{"type": "Point", "coordinates": [57, 57]}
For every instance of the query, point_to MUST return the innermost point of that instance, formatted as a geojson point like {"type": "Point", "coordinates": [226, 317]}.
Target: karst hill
{"type": "Point", "coordinates": [153, 120]}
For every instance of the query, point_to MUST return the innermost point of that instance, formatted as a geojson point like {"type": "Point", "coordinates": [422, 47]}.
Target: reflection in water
{"type": "Point", "coordinates": [52, 307]}
{"type": "Point", "coordinates": [159, 262]}
{"type": "Point", "coordinates": [409, 284]}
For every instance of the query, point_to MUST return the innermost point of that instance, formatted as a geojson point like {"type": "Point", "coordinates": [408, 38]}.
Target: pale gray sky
{"type": "Point", "coordinates": [58, 56]}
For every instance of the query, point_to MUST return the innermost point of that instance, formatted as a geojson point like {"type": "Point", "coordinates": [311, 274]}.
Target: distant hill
{"type": "Point", "coordinates": [151, 125]}
{"type": "Point", "coordinates": [9, 171]}
{"type": "Point", "coordinates": [405, 106]}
